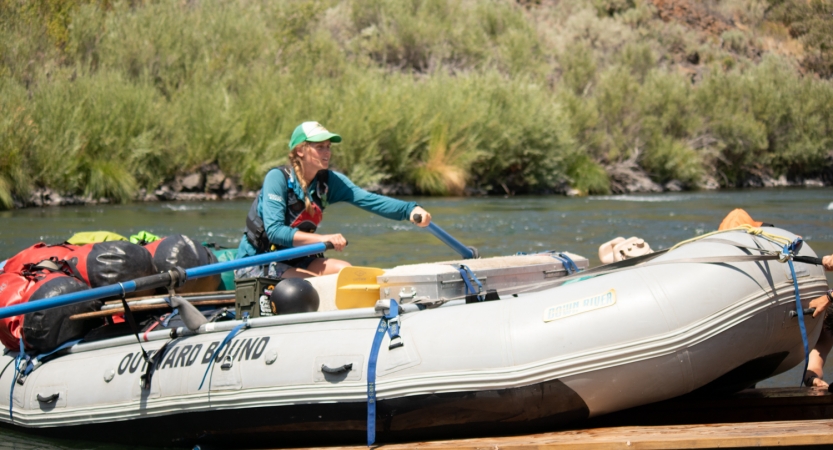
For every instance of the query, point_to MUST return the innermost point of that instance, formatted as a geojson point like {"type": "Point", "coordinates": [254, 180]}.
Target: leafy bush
{"type": "Point", "coordinates": [101, 98]}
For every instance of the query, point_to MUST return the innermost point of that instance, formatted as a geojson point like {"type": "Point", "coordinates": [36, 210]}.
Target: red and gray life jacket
{"type": "Point", "coordinates": [296, 214]}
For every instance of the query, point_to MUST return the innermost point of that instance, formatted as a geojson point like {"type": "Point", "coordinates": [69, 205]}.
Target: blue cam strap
{"type": "Point", "coordinates": [388, 323]}
{"type": "Point", "coordinates": [229, 337]}
{"type": "Point", "coordinates": [567, 262]}
{"type": "Point", "coordinates": [788, 252]}
{"type": "Point", "coordinates": [33, 362]}
{"type": "Point", "coordinates": [17, 363]}
{"type": "Point", "coordinates": [468, 275]}
{"type": "Point", "coordinates": [30, 364]}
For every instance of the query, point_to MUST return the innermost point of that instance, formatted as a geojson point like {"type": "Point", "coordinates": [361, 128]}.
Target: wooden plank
{"type": "Point", "coordinates": [150, 297]}
{"type": "Point", "coordinates": [754, 434]}
{"type": "Point", "coordinates": [112, 312]}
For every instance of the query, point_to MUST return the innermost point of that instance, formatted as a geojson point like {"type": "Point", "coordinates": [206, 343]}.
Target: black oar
{"type": "Point", "coordinates": [172, 278]}
{"type": "Point", "coordinates": [808, 260]}
{"type": "Point", "coordinates": [465, 251]}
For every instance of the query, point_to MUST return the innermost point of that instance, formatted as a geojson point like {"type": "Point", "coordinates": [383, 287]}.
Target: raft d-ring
{"type": "Point", "coordinates": [407, 293]}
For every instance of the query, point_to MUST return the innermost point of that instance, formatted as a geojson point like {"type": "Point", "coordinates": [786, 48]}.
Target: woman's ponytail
{"type": "Point", "coordinates": [299, 173]}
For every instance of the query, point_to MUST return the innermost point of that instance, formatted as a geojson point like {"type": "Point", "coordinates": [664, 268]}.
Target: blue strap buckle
{"type": "Point", "coordinates": [787, 254]}
{"type": "Point", "coordinates": [567, 262]}
{"type": "Point", "coordinates": [24, 364]}
{"type": "Point", "coordinates": [229, 337]}
{"type": "Point", "coordinates": [389, 323]}
{"type": "Point", "coordinates": [467, 275]}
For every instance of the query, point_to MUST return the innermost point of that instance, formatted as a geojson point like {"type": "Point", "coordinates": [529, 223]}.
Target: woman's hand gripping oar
{"type": "Point", "coordinates": [467, 252]}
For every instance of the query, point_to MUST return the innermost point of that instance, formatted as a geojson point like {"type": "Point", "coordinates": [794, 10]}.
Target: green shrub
{"type": "Point", "coordinates": [18, 134]}
{"type": "Point", "coordinates": [613, 7]}
{"type": "Point", "coordinates": [735, 40]}
{"type": "Point", "coordinates": [668, 159]}
{"type": "Point", "coordinates": [87, 131]}
{"type": "Point", "coordinates": [578, 68]}
{"type": "Point", "coordinates": [639, 58]}
{"type": "Point", "coordinates": [586, 175]}
{"type": "Point", "coordinates": [101, 98]}
{"type": "Point", "coordinates": [524, 138]}
{"type": "Point", "coordinates": [811, 22]}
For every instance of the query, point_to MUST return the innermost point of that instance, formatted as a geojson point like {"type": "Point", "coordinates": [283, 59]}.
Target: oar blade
{"type": "Point", "coordinates": [356, 287]}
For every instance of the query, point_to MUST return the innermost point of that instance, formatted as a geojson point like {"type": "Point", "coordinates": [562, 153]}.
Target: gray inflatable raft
{"type": "Point", "coordinates": [705, 316]}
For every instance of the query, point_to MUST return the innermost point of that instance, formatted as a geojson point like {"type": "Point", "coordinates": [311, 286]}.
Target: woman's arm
{"type": "Point", "coordinates": [304, 238]}
{"type": "Point", "coordinates": [343, 190]}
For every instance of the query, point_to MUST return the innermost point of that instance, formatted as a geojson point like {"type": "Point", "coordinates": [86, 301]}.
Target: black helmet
{"type": "Point", "coordinates": [294, 295]}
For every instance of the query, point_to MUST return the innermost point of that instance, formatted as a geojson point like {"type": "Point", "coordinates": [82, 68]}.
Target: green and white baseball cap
{"type": "Point", "coordinates": [311, 132]}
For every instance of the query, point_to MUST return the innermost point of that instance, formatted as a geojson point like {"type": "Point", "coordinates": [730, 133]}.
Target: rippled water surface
{"type": "Point", "coordinates": [496, 226]}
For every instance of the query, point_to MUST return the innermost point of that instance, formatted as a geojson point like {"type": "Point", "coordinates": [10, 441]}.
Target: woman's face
{"type": "Point", "coordinates": [315, 156]}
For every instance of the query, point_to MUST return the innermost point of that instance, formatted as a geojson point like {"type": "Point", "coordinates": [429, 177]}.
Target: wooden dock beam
{"type": "Point", "coordinates": [754, 434]}
{"type": "Point", "coordinates": [778, 417]}
{"type": "Point", "coordinates": [734, 435]}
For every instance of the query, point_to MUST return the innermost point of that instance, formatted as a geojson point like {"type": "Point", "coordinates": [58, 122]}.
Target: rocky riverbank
{"type": "Point", "coordinates": [209, 183]}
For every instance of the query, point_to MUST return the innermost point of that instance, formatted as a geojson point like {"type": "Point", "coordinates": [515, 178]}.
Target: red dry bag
{"type": "Point", "coordinates": [106, 263]}
{"type": "Point", "coordinates": [47, 329]}
{"type": "Point", "coordinates": [35, 254]}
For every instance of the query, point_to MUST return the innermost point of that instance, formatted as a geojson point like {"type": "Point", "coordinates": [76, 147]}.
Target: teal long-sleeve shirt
{"type": "Point", "coordinates": [273, 198]}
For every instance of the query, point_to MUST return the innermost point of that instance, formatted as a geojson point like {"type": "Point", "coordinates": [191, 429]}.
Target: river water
{"type": "Point", "coordinates": [496, 226]}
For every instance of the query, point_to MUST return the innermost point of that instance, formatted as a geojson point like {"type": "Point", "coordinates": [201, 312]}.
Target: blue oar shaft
{"type": "Point", "coordinates": [449, 240]}
{"type": "Point", "coordinates": [68, 299]}
{"type": "Point", "coordinates": [160, 280]}
{"type": "Point", "coordinates": [256, 260]}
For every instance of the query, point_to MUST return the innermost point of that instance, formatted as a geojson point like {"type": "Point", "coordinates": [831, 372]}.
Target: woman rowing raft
{"type": "Point", "coordinates": [290, 206]}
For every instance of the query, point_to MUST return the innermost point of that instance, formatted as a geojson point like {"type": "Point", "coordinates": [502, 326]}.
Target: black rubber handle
{"type": "Point", "coordinates": [153, 281]}
{"type": "Point", "coordinates": [330, 245]}
{"type": "Point", "coordinates": [335, 370]}
{"type": "Point", "coordinates": [417, 218]}
{"type": "Point", "coordinates": [48, 399]}
{"type": "Point", "coordinates": [808, 259]}
{"type": "Point", "coordinates": [807, 312]}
